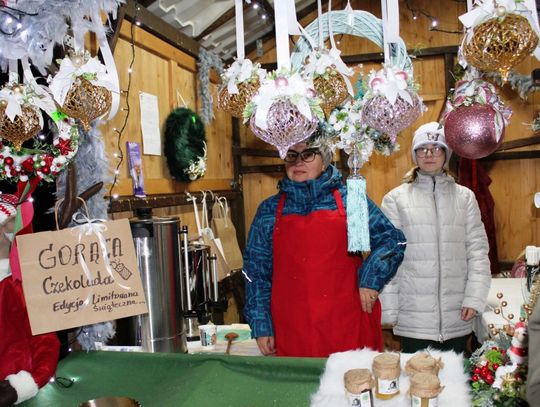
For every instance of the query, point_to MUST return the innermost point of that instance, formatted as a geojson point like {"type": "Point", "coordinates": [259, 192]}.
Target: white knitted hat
{"type": "Point", "coordinates": [430, 133]}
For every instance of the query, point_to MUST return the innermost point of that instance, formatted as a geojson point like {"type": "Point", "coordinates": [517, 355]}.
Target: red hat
{"type": "Point", "coordinates": [8, 207]}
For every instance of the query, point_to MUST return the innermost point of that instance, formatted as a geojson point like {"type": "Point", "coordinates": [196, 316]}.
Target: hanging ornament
{"type": "Point", "coordinates": [20, 119]}
{"type": "Point", "coordinates": [500, 35]}
{"type": "Point", "coordinates": [391, 103]}
{"type": "Point", "coordinates": [330, 77]}
{"type": "Point", "coordinates": [474, 119]}
{"type": "Point", "coordinates": [83, 89]}
{"type": "Point", "coordinates": [240, 83]}
{"type": "Point", "coordinates": [242, 79]}
{"type": "Point", "coordinates": [284, 112]}
{"type": "Point", "coordinates": [86, 102]}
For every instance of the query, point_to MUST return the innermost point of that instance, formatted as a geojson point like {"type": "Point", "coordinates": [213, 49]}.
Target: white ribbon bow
{"type": "Point", "coordinates": [295, 91]}
{"type": "Point", "coordinates": [239, 71]}
{"type": "Point", "coordinates": [320, 60]}
{"type": "Point", "coordinates": [391, 83]}
{"type": "Point", "coordinates": [62, 81]}
{"type": "Point", "coordinates": [89, 227]}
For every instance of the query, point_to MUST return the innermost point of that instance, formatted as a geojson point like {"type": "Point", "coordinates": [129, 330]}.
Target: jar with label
{"type": "Point", "coordinates": [358, 387]}
{"type": "Point", "coordinates": [386, 370]}
{"type": "Point", "coordinates": [425, 389]}
{"type": "Point", "coordinates": [423, 362]}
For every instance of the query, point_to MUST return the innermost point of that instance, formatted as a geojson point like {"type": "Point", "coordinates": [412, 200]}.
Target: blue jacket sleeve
{"type": "Point", "coordinates": [387, 251]}
{"type": "Point", "coordinates": [258, 266]}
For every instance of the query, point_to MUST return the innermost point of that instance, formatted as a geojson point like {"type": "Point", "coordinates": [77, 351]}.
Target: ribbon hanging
{"type": "Point", "coordinates": [286, 23]}
{"type": "Point", "coordinates": [350, 14]}
{"type": "Point", "coordinates": [239, 13]}
{"type": "Point", "coordinates": [109, 63]}
{"type": "Point", "coordinates": [89, 227]}
{"type": "Point", "coordinates": [357, 215]}
{"type": "Point", "coordinates": [335, 53]}
{"type": "Point", "coordinates": [319, 19]}
{"type": "Point", "coordinates": [390, 14]}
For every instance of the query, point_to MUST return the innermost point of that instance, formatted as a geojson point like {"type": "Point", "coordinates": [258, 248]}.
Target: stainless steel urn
{"type": "Point", "coordinates": [156, 245]}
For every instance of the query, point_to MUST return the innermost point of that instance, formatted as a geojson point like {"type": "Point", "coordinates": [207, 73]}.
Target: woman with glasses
{"type": "Point", "coordinates": [305, 294]}
{"type": "Point", "coordinates": [445, 276]}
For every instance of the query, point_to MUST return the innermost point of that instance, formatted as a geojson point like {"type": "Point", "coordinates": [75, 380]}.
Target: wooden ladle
{"type": "Point", "coordinates": [231, 336]}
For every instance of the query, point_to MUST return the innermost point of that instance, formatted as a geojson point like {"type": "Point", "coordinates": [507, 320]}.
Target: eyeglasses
{"type": "Point", "coordinates": [435, 151]}
{"type": "Point", "coordinates": [306, 156]}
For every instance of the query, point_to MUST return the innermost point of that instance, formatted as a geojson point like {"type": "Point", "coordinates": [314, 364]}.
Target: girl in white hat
{"type": "Point", "coordinates": [445, 276]}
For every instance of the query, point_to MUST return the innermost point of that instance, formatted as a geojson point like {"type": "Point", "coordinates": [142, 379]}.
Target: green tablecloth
{"type": "Point", "coordinates": [181, 380]}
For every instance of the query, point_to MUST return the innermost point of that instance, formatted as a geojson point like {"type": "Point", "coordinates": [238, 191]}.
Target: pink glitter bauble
{"type": "Point", "coordinates": [286, 126]}
{"type": "Point", "coordinates": [381, 115]}
{"type": "Point", "coordinates": [470, 131]}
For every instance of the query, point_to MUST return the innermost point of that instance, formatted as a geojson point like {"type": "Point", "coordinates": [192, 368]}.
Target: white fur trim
{"type": "Point", "coordinates": [24, 385]}
{"type": "Point", "coordinates": [331, 391]}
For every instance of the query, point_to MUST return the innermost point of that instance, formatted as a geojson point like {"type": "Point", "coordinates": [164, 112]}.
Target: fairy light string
{"type": "Point", "coordinates": [119, 133]}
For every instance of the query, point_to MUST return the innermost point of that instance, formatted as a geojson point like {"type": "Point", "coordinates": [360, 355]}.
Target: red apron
{"type": "Point", "coordinates": [315, 302]}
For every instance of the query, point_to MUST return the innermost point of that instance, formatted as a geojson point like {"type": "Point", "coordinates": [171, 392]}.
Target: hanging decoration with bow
{"type": "Point", "coordinates": [500, 34]}
{"type": "Point", "coordinates": [326, 69]}
{"type": "Point", "coordinates": [391, 102]}
{"type": "Point", "coordinates": [285, 111]}
{"type": "Point", "coordinates": [242, 79]}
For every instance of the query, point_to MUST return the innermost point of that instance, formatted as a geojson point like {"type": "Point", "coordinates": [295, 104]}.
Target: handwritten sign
{"type": "Point", "coordinates": [80, 276]}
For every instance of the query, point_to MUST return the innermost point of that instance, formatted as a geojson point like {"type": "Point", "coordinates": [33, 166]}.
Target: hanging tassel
{"type": "Point", "coordinates": [357, 215]}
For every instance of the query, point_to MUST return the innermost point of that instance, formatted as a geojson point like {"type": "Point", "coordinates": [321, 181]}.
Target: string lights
{"type": "Point", "coordinates": [433, 21]}
{"type": "Point", "coordinates": [119, 155]}
{"type": "Point", "coordinates": [10, 19]}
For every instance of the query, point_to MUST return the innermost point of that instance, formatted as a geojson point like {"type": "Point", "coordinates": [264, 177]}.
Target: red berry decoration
{"type": "Point", "coordinates": [474, 378]}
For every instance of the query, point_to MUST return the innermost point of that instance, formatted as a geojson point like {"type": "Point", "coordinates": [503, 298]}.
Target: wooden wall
{"type": "Point", "coordinates": [514, 182]}
{"type": "Point", "coordinates": [163, 70]}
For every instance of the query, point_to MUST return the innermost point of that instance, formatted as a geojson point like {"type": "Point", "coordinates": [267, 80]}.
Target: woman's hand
{"type": "Point", "coordinates": [467, 313]}
{"type": "Point", "coordinates": [368, 298]}
{"type": "Point", "coordinates": [266, 345]}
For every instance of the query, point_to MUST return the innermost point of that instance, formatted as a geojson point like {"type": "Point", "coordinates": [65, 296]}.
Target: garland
{"type": "Point", "coordinates": [207, 60]}
{"type": "Point", "coordinates": [185, 145]}
{"type": "Point", "coordinates": [45, 162]}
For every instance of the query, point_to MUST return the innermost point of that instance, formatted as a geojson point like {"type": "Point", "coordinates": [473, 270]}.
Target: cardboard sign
{"type": "Point", "coordinates": [68, 283]}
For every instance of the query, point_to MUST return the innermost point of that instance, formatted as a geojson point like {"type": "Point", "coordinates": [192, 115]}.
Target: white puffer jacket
{"type": "Point", "coordinates": [446, 265]}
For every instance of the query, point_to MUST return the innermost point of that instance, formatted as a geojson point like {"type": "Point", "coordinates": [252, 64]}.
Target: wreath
{"type": "Point", "coordinates": [45, 161]}
{"type": "Point", "coordinates": [185, 145]}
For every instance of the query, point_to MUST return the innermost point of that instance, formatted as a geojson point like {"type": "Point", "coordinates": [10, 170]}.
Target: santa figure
{"type": "Point", "coordinates": [27, 362]}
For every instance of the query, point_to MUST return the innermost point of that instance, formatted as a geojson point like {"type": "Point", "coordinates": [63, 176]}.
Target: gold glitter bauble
{"type": "Point", "coordinates": [331, 89]}
{"type": "Point", "coordinates": [235, 103]}
{"type": "Point", "coordinates": [500, 44]}
{"type": "Point", "coordinates": [86, 101]}
{"type": "Point", "coordinates": [25, 126]}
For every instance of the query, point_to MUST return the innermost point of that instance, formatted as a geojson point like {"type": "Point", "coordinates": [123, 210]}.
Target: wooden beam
{"type": "Point", "coordinates": [256, 169]}
{"type": "Point", "coordinates": [379, 56]}
{"type": "Point", "coordinates": [140, 16]}
{"type": "Point", "coordinates": [146, 3]}
{"type": "Point", "coordinates": [512, 155]}
{"type": "Point", "coordinates": [130, 203]}
{"type": "Point", "coordinates": [255, 152]}
{"type": "Point", "coordinates": [268, 8]}
{"type": "Point", "coordinates": [115, 25]}
{"type": "Point", "coordinates": [522, 142]}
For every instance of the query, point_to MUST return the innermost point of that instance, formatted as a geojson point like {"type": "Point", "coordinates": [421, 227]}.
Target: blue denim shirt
{"type": "Point", "coordinates": [387, 243]}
